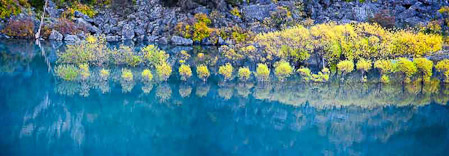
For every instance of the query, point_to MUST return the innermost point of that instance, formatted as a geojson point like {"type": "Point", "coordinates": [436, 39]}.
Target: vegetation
{"type": "Point", "coordinates": [127, 75]}
{"type": "Point", "coordinates": [163, 71]}
{"type": "Point", "coordinates": [203, 72]}
{"type": "Point", "coordinates": [407, 68]}
{"type": "Point", "coordinates": [23, 28]}
{"type": "Point", "coordinates": [146, 75]}
{"type": "Point", "coordinates": [226, 71]}
{"type": "Point", "coordinates": [345, 67]}
{"type": "Point", "coordinates": [443, 67]}
{"type": "Point", "coordinates": [424, 67]}
{"type": "Point", "coordinates": [283, 70]}
{"type": "Point", "coordinates": [244, 74]}
{"type": "Point", "coordinates": [84, 71]}
{"type": "Point", "coordinates": [364, 66]}
{"type": "Point", "coordinates": [262, 72]}
{"type": "Point", "coordinates": [104, 74]}
{"type": "Point", "coordinates": [67, 72]}
{"type": "Point", "coordinates": [185, 71]}
{"type": "Point", "coordinates": [385, 67]}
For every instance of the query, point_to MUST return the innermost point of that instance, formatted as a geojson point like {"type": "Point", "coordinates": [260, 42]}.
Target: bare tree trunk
{"type": "Point", "coordinates": [42, 21]}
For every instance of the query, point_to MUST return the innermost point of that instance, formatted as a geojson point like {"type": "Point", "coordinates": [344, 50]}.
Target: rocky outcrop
{"type": "Point", "coordinates": [155, 20]}
{"type": "Point", "coordinates": [71, 38]}
{"type": "Point", "coordinates": [177, 40]}
{"type": "Point", "coordinates": [55, 35]}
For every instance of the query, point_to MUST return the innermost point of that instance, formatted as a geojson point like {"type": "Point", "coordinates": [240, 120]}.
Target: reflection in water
{"type": "Point", "coordinates": [41, 115]}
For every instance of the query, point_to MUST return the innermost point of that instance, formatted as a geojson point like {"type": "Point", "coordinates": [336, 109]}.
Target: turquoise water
{"type": "Point", "coordinates": [41, 115]}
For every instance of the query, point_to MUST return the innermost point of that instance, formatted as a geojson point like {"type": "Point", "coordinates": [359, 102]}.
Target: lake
{"type": "Point", "coordinates": [42, 115]}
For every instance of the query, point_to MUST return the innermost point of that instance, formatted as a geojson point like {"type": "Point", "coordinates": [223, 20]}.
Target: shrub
{"type": "Point", "coordinates": [104, 74]}
{"type": "Point", "coordinates": [384, 66]}
{"type": "Point", "coordinates": [203, 72]}
{"type": "Point", "coordinates": [11, 7]}
{"type": "Point", "coordinates": [185, 71]}
{"type": "Point", "coordinates": [345, 67]}
{"type": "Point", "coordinates": [385, 79]}
{"type": "Point", "coordinates": [85, 9]}
{"type": "Point", "coordinates": [322, 76]}
{"type": "Point", "coordinates": [226, 71]}
{"type": "Point", "coordinates": [244, 74]}
{"type": "Point", "coordinates": [23, 28]}
{"type": "Point", "coordinates": [66, 26]}
{"type": "Point", "coordinates": [364, 66]}
{"type": "Point", "coordinates": [84, 71]}
{"type": "Point", "coordinates": [163, 71]}
{"type": "Point", "coordinates": [200, 31]}
{"type": "Point", "coordinates": [283, 70]}
{"type": "Point", "coordinates": [146, 75]}
{"type": "Point", "coordinates": [127, 75]}
{"type": "Point", "coordinates": [67, 72]}
{"type": "Point", "coordinates": [443, 67]}
{"type": "Point", "coordinates": [236, 12]}
{"type": "Point", "coordinates": [406, 67]}
{"type": "Point", "coordinates": [424, 67]}
{"type": "Point", "coordinates": [183, 29]}
{"type": "Point", "coordinates": [154, 55]}
{"type": "Point", "coordinates": [305, 73]}
{"type": "Point", "coordinates": [262, 72]}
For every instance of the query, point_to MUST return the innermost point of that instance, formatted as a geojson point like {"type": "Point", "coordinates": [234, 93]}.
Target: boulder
{"type": "Point", "coordinates": [71, 38]}
{"type": "Point", "coordinates": [177, 40]}
{"type": "Point", "coordinates": [257, 12]}
{"type": "Point", "coordinates": [128, 32]}
{"type": "Point", "coordinates": [55, 35]}
{"type": "Point", "coordinates": [162, 40]}
{"type": "Point", "coordinates": [112, 38]}
{"type": "Point", "coordinates": [87, 25]}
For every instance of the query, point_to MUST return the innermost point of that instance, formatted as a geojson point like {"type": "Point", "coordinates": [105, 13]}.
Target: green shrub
{"type": "Point", "coordinates": [146, 75]}
{"type": "Point", "coordinates": [322, 76]}
{"type": "Point", "coordinates": [185, 71]}
{"type": "Point", "coordinates": [127, 75]}
{"type": "Point", "coordinates": [443, 67]}
{"type": "Point", "coordinates": [154, 55]}
{"type": "Point", "coordinates": [345, 67]}
{"type": "Point", "coordinates": [262, 72]}
{"type": "Point", "coordinates": [163, 71]}
{"type": "Point", "coordinates": [244, 74]}
{"type": "Point", "coordinates": [424, 67]}
{"type": "Point", "coordinates": [67, 72]}
{"type": "Point", "coordinates": [283, 70]}
{"type": "Point", "coordinates": [236, 12]}
{"type": "Point", "coordinates": [406, 67]}
{"type": "Point", "coordinates": [203, 72]}
{"type": "Point", "coordinates": [226, 71]}
{"type": "Point", "coordinates": [10, 7]}
{"type": "Point", "coordinates": [384, 66]}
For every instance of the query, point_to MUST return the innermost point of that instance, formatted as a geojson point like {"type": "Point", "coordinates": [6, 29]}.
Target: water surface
{"type": "Point", "coordinates": [41, 115]}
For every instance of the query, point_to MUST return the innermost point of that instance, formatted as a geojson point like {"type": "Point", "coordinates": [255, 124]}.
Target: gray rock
{"type": "Point", "coordinates": [128, 32]}
{"type": "Point", "coordinates": [257, 12]}
{"type": "Point", "coordinates": [71, 38]}
{"type": "Point", "coordinates": [111, 38]}
{"type": "Point", "coordinates": [162, 40]}
{"type": "Point", "coordinates": [55, 35]}
{"type": "Point", "coordinates": [152, 39]}
{"type": "Point", "coordinates": [221, 41]}
{"type": "Point", "coordinates": [177, 40]}
{"type": "Point", "coordinates": [89, 27]}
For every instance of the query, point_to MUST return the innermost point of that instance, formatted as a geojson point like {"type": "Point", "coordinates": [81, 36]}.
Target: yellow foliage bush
{"type": "Point", "coordinates": [406, 67]}
{"type": "Point", "coordinates": [345, 67]}
{"type": "Point", "coordinates": [424, 66]}
{"type": "Point", "coordinates": [262, 72]}
{"type": "Point", "coordinates": [84, 71]}
{"type": "Point", "coordinates": [163, 71]}
{"type": "Point", "coordinates": [147, 76]}
{"type": "Point", "coordinates": [127, 75]}
{"type": "Point", "coordinates": [203, 72]}
{"type": "Point", "coordinates": [443, 67]}
{"type": "Point", "coordinates": [283, 70]}
{"type": "Point", "coordinates": [185, 72]}
{"type": "Point", "coordinates": [226, 71]}
{"type": "Point", "coordinates": [244, 73]}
